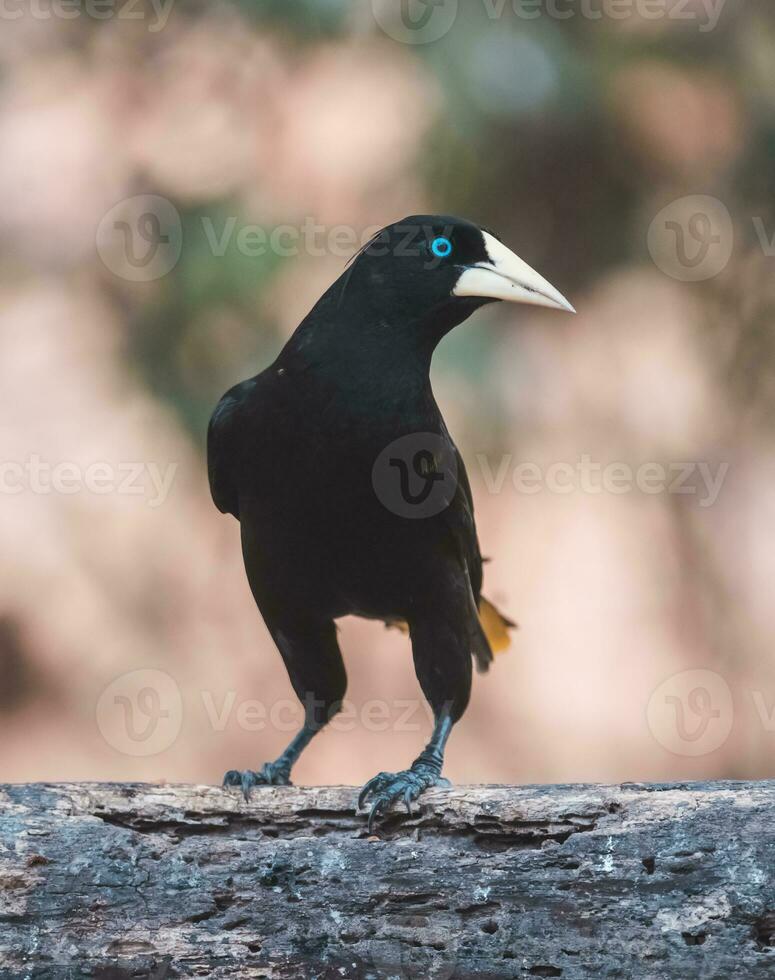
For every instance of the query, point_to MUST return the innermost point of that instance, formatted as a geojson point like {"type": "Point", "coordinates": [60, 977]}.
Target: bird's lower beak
{"type": "Point", "coordinates": [505, 276]}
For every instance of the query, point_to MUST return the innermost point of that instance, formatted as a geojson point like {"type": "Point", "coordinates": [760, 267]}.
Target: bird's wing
{"type": "Point", "coordinates": [223, 451]}
{"type": "Point", "coordinates": [488, 627]}
{"type": "Point", "coordinates": [461, 520]}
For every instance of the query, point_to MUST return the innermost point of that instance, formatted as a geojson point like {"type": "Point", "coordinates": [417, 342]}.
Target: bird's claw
{"type": "Point", "coordinates": [388, 787]}
{"type": "Point", "coordinates": [269, 775]}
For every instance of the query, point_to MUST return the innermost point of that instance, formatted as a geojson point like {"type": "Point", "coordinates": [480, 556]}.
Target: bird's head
{"type": "Point", "coordinates": [411, 284]}
{"type": "Point", "coordinates": [426, 263]}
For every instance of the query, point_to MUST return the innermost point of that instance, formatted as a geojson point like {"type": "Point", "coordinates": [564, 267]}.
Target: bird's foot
{"type": "Point", "coordinates": [388, 787]}
{"type": "Point", "coordinates": [271, 774]}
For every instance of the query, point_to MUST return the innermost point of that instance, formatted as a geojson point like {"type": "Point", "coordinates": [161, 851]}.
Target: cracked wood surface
{"type": "Point", "coordinates": [640, 882]}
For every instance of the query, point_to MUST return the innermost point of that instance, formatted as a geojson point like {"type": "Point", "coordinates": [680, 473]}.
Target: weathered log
{"type": "Point", "coordinates": [641, 882]}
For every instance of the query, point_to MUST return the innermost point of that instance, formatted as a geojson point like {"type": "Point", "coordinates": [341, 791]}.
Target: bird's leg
{"type": "Point", "coordinates": [315, 668]}
{"type": "Point", "coordinates": [442, 660]}
{"type": "Point", "coordinates": [277, 773]}
{"type": "Point", "coordinates": [388, 787]}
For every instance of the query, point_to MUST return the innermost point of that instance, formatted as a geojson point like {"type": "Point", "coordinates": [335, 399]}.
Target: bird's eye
{"type": "Point", "coordinates": [441, 247]}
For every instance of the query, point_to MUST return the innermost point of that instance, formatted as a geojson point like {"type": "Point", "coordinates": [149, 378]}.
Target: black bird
{"type": "Point", "coordinates": [351, 495]}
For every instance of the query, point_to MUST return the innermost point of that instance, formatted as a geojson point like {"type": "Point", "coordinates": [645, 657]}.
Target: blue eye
{"type": "Point", "coordinates": [441, 247]}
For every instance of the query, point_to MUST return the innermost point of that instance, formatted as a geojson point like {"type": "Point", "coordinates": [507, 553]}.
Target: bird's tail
{"type": "Point", "coordinates": [489, 634]}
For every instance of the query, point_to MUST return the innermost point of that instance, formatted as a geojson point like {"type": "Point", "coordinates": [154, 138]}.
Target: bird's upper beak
{"type": "Point", "coordinates": [505, 276]}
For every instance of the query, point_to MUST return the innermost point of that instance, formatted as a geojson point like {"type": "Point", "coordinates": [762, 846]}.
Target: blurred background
{"type": "Point", "coordinates": [179, 183]}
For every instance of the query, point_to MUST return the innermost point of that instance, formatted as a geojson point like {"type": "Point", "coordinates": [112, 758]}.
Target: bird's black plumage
{"type": "Point", "coordinates": [292, 455]}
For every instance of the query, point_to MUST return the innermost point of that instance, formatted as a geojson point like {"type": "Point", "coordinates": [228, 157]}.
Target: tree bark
{"type": "Point", "coordinates": [640, 882]}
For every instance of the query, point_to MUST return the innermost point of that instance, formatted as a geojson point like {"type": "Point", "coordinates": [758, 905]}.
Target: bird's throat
{"type": "Point", "coordinates": [376, 356]}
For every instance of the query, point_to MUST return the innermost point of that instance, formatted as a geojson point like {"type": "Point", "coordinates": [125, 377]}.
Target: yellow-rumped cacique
{"type": "Point", "coordinates": [351, 495]}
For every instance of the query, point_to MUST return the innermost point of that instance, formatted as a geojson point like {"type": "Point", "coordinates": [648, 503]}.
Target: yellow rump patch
{"type": "Point", "coordinates": [496, 626]}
